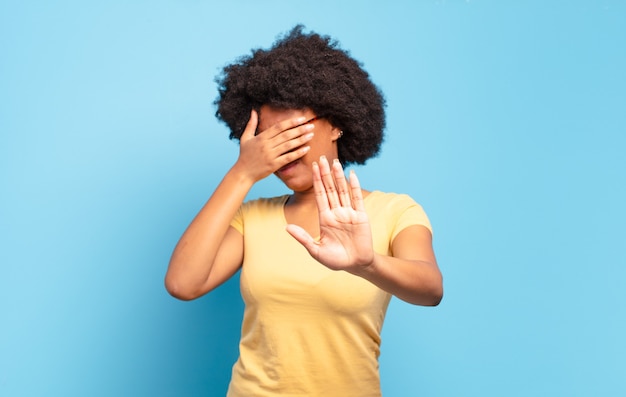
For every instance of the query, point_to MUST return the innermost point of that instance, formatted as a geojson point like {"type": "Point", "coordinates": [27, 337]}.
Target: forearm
{"type": "Point", "coordinates": [195, 253]}
{"type": "Point", "coordinates": [414, 281]}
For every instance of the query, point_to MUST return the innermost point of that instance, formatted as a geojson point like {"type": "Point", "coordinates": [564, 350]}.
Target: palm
{"type": "Point", "coordinates": [345, 236]}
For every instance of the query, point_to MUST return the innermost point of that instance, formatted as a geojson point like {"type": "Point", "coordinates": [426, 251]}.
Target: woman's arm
{"type": "Point", "coordinates": [345, 243]}
{"type": "Point", "coordinates": [411, 273]}
{"type": "Point", "coordinates": [210, 250]}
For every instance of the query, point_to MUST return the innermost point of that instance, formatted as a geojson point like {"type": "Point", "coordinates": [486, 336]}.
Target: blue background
{"type": "Point", "coordinates": [506, 121]}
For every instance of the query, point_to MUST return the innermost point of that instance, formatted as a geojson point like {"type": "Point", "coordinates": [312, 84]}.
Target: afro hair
{"type": "Point", "coordinates": [306, 71]}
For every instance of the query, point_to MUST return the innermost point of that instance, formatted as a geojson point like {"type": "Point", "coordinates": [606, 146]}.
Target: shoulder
{"type": "Point", "coordinates": [379, 200]}
{"type": "Point", "coordinates": [262, 205]}
{"type": "Point", "coordinates": [397, 209]}
{"type": "Point", "coordinates": [257, 209]}
{"type": "Point", "coordinates": [265, 202]}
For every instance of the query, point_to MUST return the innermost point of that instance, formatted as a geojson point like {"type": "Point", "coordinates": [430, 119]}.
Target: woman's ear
{"type": "Point", "coordinates": [336, 133]}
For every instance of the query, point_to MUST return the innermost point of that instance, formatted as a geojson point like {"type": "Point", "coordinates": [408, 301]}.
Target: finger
{"type": "Point", "coordinates": [357, 194]}
{"type": "Point", "coordinates": [342, 186]}
{"type": "Point", "coordinates": [282, 140]}
{"type": "Point", "coordinates": [304, 238]}
{"type": "Point", "coordinates": [250, 130]}
{"type": "Point", "coordinates": [293, 155]}
{"type": "Point", "coordinates": [329, 183]}
{"type": "Point", "coordinates": [284, 125]}
{"type": "Point", "coordinates": [291, 139]}
{"type": "Point", "coordinates": [318, 187]}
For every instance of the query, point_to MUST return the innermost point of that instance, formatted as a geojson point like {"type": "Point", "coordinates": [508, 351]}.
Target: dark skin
{"type": "Point", "coordinates": [302, 153]}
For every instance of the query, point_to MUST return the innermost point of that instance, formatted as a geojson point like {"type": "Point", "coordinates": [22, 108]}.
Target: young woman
{"type": "Point", "coordinates": [319, 265]}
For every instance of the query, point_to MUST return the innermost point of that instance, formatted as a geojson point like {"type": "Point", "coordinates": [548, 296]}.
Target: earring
{"type": "Point", "coordinates": [340, 134]}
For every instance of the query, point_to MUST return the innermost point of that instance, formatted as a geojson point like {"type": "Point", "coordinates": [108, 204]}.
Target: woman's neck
{"type": "Point", "coordinates": [302, 199]}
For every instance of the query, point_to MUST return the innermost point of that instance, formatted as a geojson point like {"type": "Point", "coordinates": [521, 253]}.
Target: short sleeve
{"type": "Point", "coordinates": [237, 221]}
{"type": "Point", "coordinates": [408, 213]}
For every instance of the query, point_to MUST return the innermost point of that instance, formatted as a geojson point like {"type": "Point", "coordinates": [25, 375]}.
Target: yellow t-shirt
{"type": "Point", "coordinates": [308, 330]}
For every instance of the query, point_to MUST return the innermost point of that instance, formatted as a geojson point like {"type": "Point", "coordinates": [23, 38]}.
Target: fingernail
{"type": "Point", "coordinates": [300, 120]}
{"type": "Point", "coordinates": [336, 161]}
{"type": "Point", "coordinates": [322, 157]}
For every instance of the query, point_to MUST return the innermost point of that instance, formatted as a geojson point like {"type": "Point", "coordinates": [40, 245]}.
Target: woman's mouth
{"type": "Point", "coordinates": [287, 167]}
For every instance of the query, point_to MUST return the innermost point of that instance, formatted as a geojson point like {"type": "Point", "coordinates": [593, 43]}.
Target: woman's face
{"type": "Point", "coordinates": [297, 174]}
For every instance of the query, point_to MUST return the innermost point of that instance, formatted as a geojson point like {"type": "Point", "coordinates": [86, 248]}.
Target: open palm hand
{"type": "Point", "coordinates": [345, 236]}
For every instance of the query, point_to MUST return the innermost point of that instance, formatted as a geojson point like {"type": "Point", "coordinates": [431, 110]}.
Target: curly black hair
{"type": "Point", "coordinates": [306, 71]}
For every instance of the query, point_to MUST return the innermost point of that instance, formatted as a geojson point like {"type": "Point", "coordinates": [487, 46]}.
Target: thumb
{"type": "Point", "coordinates": [250, 130]}
{"type": "Point", "coordinates": [303, 238]}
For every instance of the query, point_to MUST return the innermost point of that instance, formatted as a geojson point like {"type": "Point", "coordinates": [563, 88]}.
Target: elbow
{"type": "Point", "coordinates": [436, 297]}
{"type": "Point", "coordinates": [435, 294]}
{"type": "Point", "coordinates": [438, 292]}
{"type": "Point", "coordinates": [425, 296]}
{"type": "Point", "coordinates": [431, 299]}
{"type": "Point", "coordinates": [175, 289]}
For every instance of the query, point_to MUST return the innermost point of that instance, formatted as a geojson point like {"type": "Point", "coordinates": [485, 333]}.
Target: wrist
{"type": "Point", "coordinates": [367, 268]}
{"type": "Point", "coordinates": [239, 172]}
